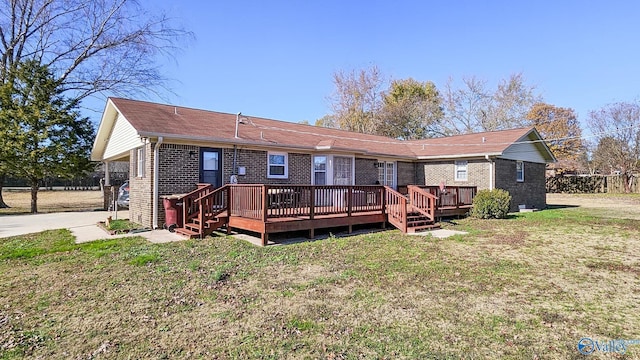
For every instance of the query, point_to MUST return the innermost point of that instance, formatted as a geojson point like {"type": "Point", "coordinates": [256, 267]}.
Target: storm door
{"type": "Point", "coordinates": [211, 166]}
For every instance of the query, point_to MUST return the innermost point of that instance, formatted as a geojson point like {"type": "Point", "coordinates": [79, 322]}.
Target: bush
{"type": "Point", "coordinates": [491, 204]}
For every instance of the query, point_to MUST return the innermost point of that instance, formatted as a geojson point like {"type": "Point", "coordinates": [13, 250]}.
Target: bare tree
{"type": "Point", "coordinates": [90, 46]}
{"type": "Point", "coordinates": [465, 107]}
{"type": "Point", "coordinates": [473, 107]}
{"type": "Point", "coordinates": [357, 100]}
{"type": "Point", "coordinates": [511, 102]}
{"type": "Point", "coordinates": [617, 130]}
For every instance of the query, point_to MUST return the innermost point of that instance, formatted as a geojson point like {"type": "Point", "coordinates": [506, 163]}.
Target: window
{"type": "Point", "coordinates": [519, 171]}
{"type": "Point", "coordinates": [342, 170]}
{"type": "Point", "coordinates": [140, 162]}
{"type": "Point", "coordinates": [319, 170]}
{"type": "Point", "coordinates": [385, 173]}
{"type": "Point", "coordinates": [461, 171]}
{"type": "Point", "coordinates": [277, 165]}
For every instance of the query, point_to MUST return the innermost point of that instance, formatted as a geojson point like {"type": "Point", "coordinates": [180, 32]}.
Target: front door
{"type": "Point", "coordinates": [211, 166]}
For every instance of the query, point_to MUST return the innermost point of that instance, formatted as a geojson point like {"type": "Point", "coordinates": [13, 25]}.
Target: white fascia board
{"type": "Point", "coordinates": [458, 156]}
{"type": "Point", "coordinates": [109, 116]}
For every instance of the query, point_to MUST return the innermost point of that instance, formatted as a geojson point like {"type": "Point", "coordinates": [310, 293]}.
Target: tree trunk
{"type": "Point", "coordinates": [34, 196]}
{"type": "Point", "coordinates": [3, 205]}
{"type": "Point", "coordinates": [626, 179]}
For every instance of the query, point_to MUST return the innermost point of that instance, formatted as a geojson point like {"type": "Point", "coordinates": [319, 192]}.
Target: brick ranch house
{"type": "Point", "coordinates": [171, 148]}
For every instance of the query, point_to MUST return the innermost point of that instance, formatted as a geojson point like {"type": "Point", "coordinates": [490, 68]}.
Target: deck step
{"type": "Point", "coordinates": [186, 232]}
{"type": "Point", "coordinates": [414, 229]}
{"type": "Point", "coordinates": [192, 226]}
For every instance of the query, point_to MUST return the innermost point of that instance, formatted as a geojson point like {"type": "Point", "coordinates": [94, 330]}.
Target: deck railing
{"type": "Point", "coordinates": [396, 205]}
{"type": "Point", "coordinates": [263, 202]}
{"type": "Point", "coordinates": [190, 207]}
{"type": "Point", "coordinates": [452, 196]}
{"type": "Point", "coordinates": [422, 201]}
{"type": "Point", "coordinates": [213, 203]}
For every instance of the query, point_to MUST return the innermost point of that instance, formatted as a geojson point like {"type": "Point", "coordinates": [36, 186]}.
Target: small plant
{"type": "Point", "coordinates": [491, 204]}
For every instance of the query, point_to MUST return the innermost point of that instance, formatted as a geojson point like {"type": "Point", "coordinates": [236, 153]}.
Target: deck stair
{"type": "Point", "coordinates": [413, 212]}
{"type": "Point", "coordinates": [204, 211]}
{"type": "Point", "coordinates": [417, 222]}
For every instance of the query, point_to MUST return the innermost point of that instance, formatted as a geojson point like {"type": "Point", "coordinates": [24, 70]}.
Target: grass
{"type": "Point", "coordinates": [530, 286]}
{"type": "Point", "coordinates": [51, 201]}
{"type": "Point", "coordinates": [122, 224]}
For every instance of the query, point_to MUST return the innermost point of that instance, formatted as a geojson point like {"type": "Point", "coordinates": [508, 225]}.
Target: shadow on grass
{"type": "Point", "coordinates": [560, 206]}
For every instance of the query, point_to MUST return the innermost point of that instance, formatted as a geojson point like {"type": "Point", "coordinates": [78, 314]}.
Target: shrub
{"type": "Point", "coordinates": [491, 204]}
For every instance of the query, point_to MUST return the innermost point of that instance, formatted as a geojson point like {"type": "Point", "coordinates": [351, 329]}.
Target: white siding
{"type": "Point", "coordinates": [524, 152]}
{"type": "Point", "coordinates": [123, 138]}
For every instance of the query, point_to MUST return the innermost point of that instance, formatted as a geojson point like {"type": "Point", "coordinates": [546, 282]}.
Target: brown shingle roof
{"type": "Point", "coordinates": [485, 143]}
{"type": "Point", "coordinates": [152, 119]}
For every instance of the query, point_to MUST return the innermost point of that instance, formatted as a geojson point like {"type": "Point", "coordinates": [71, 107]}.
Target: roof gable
{"type": "Point", "coordinates": [115, 137]}
{"type": "Point", "coordinates": [492, 143]}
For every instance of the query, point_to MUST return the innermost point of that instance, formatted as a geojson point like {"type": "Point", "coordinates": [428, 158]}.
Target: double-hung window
{"type": "Point", "coordinates": [277, 165]}
{"type": "Point", "coordinates": [140, 162]}
{"type": "Point", "coordinates": [461, 170]}
{"type": "Point", "coordinates": [319, 170]}
{"type": "Point", "coordinates": [519, 171]}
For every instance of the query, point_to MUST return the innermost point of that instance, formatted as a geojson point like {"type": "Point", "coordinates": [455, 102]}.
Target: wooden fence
{"type": "Point", "coordinates": [589, 184]}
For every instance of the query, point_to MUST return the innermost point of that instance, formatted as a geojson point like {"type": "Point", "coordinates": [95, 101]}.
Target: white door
{"type": "Point", "coordinates": [331, 170]}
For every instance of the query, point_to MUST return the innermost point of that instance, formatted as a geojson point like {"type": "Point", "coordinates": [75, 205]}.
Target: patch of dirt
{"type": "Point", "coordinates": [514, 239]}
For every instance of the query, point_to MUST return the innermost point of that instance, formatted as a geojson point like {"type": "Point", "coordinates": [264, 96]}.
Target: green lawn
{"type": "Point", "coordinates": [527, 287]}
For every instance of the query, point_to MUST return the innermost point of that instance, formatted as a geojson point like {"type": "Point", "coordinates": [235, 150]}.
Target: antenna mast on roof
{"type": "Point", "coordinates": [239, 120]}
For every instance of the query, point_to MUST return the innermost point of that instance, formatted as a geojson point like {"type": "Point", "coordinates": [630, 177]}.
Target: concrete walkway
{"type": "Point", "coordinates": [82, 225]}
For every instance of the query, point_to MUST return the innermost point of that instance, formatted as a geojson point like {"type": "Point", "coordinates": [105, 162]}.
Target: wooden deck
{"type": "Point", "coordinates": [268, 209]}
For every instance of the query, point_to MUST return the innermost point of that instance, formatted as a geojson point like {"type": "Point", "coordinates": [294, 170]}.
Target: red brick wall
{"type": "Point", "coordinates": [366, 171]}
{"type": "Point", "coordinates": [435, 172]}
{"type": "Point", "coordinates": [255, 162]}
{"type": "Point", "coordinates": [140, 194]}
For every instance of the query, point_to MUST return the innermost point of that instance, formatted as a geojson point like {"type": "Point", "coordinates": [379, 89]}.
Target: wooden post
{"type": "Point", "coordinates": [265, 207]}
{"type": "Point", "coordinates": [229, 189]}
{"type": "Point", "coordinates": [265, 239]}
{"type": "Point", "coordinates": [312, 204]}
{"type": "Point", "coordinates": [349, 202]}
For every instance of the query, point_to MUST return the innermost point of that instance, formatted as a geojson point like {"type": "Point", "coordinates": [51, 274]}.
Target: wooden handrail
{"type": "Point", "coordinates": [452, 196]}
{"type": "Point", "coordinates": [422, 201]}
{"type": "Point", "coordinates": [210, 205]}
{"type": "Point", "coordinates": [396, 205]}
{"type": "Point", "coordinates": [189, 206]}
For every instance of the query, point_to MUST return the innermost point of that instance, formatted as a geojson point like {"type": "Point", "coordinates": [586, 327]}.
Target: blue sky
{"type": "Point", "coordinates": [275, 59]}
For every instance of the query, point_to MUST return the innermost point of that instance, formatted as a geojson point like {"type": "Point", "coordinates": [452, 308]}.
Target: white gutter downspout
{"type": "Point", "coordinates": [491, 175]}
{"type": "Point", "coordinates": [156, 166]}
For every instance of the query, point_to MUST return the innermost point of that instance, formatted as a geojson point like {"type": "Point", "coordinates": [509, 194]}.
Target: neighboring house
{"type": "Point", "coordinates": [171, 148]}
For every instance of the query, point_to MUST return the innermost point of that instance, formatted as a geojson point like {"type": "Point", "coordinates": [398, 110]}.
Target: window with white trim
{"type": "Point", "coordinates": [342, 170]}
{"type": "Point", "coordinates": [277, 165]}
{"type": "Point", "coordinates": [140, 162]}
{"type": "Point", "coordinates": [320, 170]}
{"type": "Point", "coordinates": [519, 171]}
{"type": "Point", "coordinates": [461, 170]}
{"type": "Point", "coordinates": [386, 173]}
